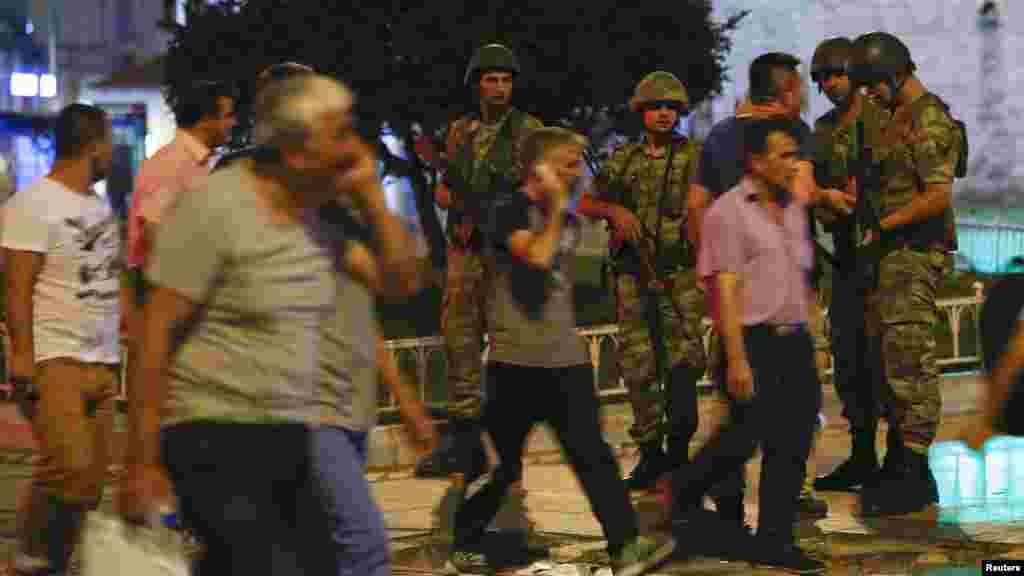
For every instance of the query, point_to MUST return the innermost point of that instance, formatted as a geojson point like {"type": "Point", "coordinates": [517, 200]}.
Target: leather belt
{"type": "Point", "coordinates": [786, 329]}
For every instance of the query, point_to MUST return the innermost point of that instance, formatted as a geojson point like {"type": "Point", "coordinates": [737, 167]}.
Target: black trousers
{"type": "Point", "coordinates": [249, 493]}
{"type": "Point", "coordinates": [858, 363]}
{"type": "Point", "coordinates": [520, 397]}
{"type": "Point", "coordinates": [780, 419]}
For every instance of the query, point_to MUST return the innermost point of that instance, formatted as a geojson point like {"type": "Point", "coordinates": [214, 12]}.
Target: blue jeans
{"type": "Point", "coordinates": [357, 525]}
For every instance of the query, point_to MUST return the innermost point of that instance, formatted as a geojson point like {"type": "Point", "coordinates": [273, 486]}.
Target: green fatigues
{"type": "Point", "coordinates": [683, 309]}
{"type": "Point", "coordinates": [463, 323]}
{"type": "Point", "coordinates": [904, 310]}
{"type": "Point", "coordinates": [857, 364]}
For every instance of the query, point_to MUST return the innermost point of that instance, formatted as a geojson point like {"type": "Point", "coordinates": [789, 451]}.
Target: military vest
{"type": "Point", "coordinates": [637, 185]}
{"type": "Point", "coordinates": [483, 179]}
{"type": "Point", "coordinates": [835, 151]}
{"type": "Point", "coordinates": [901, 181]}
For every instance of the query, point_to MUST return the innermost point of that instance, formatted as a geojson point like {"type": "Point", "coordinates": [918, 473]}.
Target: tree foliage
{"type": "Point", "coordinates": [406, 60]}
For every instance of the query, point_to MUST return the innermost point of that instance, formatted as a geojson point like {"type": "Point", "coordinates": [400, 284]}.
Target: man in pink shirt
{"type": "Point", "coordinates": [205, 114]}
{"type": "Point", "coordinates": [756, 257]}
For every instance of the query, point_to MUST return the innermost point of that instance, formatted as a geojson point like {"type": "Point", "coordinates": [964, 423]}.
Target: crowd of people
{"type": "Point", "coordinates": [249, 317]}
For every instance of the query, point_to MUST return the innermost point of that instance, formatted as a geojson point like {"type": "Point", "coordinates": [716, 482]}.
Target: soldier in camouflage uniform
{"type": "Point", "coordinates": [482, 150]}
{"type": "Point", "coordinates": [857, 366]}
{"type": "Point", "coordinates": [628, 193]}
{"type": "Point", "coordinates": [919, 156]}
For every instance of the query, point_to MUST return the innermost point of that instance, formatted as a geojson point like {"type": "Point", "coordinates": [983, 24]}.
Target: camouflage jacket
{"type": "Point", "coordinates": [480, 138]}
{"type": "Point", "coordinates": [834, 150]}
{"type": "Point", "coordinates": [633, 178]}
{"type": "Point", "coordinates": [917, 149]}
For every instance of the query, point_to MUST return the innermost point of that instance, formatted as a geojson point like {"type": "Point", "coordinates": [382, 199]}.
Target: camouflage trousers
{"type": "Point", "coordinates": [463, 325]}
{"type": "Point", "coordinates": [902, 314]}
{"type": "Point", "coordinates": [682, 311]}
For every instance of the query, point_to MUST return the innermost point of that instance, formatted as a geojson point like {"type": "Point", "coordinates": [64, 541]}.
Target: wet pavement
{"type": "Point", "coordinates": [563, 523]}
{"type": "Point", "coordinates": [915, 544]}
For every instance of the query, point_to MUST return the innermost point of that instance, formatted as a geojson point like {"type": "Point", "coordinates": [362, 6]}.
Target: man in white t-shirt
{"type": "Point", "coordinates": [62, 246]}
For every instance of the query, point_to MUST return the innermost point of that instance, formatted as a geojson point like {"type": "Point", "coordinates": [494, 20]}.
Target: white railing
{"type": "Point", "coordinates": [422, 349]}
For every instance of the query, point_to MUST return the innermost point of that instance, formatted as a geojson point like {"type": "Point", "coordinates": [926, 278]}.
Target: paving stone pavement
{"type": "Point", "coordinates": [849, 545]}
{"type": "Point", "coordinates": [563, 521]}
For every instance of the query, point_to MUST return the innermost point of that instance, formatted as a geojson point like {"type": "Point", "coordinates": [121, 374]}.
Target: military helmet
{"type": "Point", "coordinates": [879, 57]}
{"type": "Point", "coordinates": [491, 57]}
{"type": "Point", "coordinates": [832, 55]}
{"type": "Point", "coordinates": [657, 86]}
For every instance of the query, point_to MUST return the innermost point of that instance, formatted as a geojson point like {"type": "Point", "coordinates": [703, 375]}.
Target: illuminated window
{"type": "Point", "coordinates": [47, 86]}
{"type": "Point", "coordinates": [24, 84]}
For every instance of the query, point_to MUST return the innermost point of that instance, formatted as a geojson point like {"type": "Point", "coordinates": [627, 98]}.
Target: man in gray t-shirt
{"type": "Point", "coordinates": [227, 405]}
{"type": "Point", "coordinates": [537, 367]}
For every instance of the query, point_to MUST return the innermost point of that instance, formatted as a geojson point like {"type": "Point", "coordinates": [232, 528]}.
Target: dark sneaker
{"type": "Point", "coordinates": [809, 507]}
{"type": "Point", "coordinates": [706, 534]}
{"type": "Point", "coordinates": [847, 477]}
{"type": "Point", "coordinates": [641, 556]}
{"type": "Point", "coordinates": [788, 558]}
{"type": "Point", "coordinates": [904, 489]}
{"type": "Point", "coordinates": [465, 562]}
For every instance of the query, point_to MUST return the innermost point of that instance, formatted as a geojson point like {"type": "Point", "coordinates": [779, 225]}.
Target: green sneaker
{"type": "Point", "coordinates": [465, 562]}
{"type": "Point", "coordinates": [641, 555]}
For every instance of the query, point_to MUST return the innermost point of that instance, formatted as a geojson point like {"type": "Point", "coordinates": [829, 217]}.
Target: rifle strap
{"type": "Point", "coordinates": [661, 204]}
{"type": "Point", "coordinates": [625, 169]}
{"type": "Point", "coordinates": [655, 324]}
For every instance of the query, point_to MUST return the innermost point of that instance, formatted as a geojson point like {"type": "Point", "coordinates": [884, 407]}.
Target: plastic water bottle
{"type": "Point", "coordinates": [960, 475]}
{"type": "Point", "coordinates": [998, 477]}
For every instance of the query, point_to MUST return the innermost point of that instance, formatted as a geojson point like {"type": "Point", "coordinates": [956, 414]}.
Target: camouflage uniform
{"type": "Point", "coordinates": [913, 155]}
{"type": "Point", "coordinates": [857, 364]}
{"type": "Point", "coordinates": [683, 309]}
{"type": "Point", "coordinates": [462, 310]}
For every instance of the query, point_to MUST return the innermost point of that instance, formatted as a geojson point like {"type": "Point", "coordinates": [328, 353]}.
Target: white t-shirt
{"type": "Point", "coordinates": [76, 298]}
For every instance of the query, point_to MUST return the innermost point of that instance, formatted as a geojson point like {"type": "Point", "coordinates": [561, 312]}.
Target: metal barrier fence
{"type": "Point", "coordinates": [422, 350]}
{"type": "Point", "coordinates": [417, 355]}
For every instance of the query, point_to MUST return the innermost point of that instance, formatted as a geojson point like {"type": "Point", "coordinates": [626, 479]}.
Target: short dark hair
{"type": "Point", "coordinates": [78, 125]}
{"type": "Point", "coordinates": [764, 85]}
{"type": "Point", "coordinates": [280, 71]}
{"type": "Point", "coordinates": [756, 133]}
{"type": "Point", "coordinates": [192, 103]}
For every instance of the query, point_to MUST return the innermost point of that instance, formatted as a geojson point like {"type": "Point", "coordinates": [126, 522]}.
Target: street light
{"type": "Point", "coordinates": [29, 85]}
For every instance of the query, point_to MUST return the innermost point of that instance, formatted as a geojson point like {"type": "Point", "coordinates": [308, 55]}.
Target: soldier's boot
{"type": "Point", "coordinates": [858, 469]}
{"type": "Point", "coordinates": [653, 463]}
{"type": "Point", "coordinates": [905, 485]}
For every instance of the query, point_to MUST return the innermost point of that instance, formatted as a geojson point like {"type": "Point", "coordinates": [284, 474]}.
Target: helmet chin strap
{"type": "Point", "coordinates": [895, 89]}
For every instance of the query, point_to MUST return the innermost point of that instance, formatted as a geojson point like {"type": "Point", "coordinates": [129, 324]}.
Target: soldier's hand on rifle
{"type": "Point", "coordinates": [627, 225]}
{"type": "Point", "coordinates": [839, 200]}
{"type": "Point", "coordinates": [869, 237]}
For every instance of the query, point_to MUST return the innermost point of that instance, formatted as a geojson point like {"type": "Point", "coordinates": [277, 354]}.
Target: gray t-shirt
{"type": "Point", "coordinates": [532, 318]}
{"type": "Point", "coordinates": [348, 359]}
{"type": "Point", "coordinates": [263, 289]}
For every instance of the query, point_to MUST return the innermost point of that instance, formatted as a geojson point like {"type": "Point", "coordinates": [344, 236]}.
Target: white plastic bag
{"type": "Point", "coordinates": [111, 548]}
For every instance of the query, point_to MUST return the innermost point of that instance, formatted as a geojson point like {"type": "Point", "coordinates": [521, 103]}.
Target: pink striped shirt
{"type": "Point", "coordinates": [178, 167]}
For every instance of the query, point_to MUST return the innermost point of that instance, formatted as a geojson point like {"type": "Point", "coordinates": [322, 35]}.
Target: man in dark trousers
{"type": "Point", "coordinates": [538, 369]}
{"type": "Point", "coordinates": [775, 92]}
{"type": "Point", "coordinates": [756, 258]}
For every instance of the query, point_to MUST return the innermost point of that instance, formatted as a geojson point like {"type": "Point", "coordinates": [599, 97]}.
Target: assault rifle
{"type": "Point", "coordinates": [866, 179]}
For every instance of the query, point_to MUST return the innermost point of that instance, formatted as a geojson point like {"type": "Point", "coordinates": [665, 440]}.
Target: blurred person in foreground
{"type": "Point", "coordinates": [228, 397]}
{"type": "Point", "coordinates": [63, 250]}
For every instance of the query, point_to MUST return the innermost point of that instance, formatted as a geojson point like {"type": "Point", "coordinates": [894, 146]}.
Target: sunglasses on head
{"type": "Point", "coordinates": [660, 104]}
{"type": "Point", "coordinates": [824, 74]}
